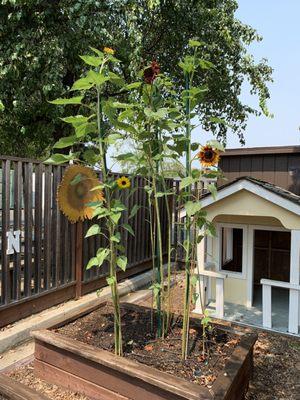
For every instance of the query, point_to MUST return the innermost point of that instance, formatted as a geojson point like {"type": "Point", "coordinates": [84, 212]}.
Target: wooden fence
{"type": "Point", "coordinates": [49, 267]}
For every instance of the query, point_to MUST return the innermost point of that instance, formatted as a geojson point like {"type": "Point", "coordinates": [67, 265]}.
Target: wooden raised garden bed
{"type": "Point", "coordinates": [70, 355]}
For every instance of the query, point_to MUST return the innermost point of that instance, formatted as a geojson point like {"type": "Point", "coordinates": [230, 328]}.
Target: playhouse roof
{"type": "Point", "coordinates": [266, 185]}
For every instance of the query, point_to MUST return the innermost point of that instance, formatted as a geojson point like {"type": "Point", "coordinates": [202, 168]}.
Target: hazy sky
{"type": "Point", "coordinates": [278, 22]}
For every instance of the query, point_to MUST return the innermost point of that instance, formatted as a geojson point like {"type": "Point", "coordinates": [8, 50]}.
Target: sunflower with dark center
{"type": "Point", "coordinates": [123, 182]}
{"type": "Point", "coordinates": [208, 156]}
{"type": "Point", "coordinates": [78, 188]}
{"type": "Point", "coordinates": [151, 72]}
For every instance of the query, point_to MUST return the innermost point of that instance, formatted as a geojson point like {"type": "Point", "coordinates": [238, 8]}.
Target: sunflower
{"type": "Point", "coordinates": [74, 193]}
{"type": "Point", "coordinates": [151, 72]}
{"type": "Point", "coordinates": [208, 156]}
{"type": "Point", "coordinates": [123, 182]}
{"type": "Point", "coordinates": [109, 50]}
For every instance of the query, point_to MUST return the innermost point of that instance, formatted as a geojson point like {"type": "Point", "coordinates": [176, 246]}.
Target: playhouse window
{"type": "Point", "coordinates": [232, 249]}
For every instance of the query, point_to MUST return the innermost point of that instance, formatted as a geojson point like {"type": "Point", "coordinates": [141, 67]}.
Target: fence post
{"type": "Point", "coordinates": [78, 259]}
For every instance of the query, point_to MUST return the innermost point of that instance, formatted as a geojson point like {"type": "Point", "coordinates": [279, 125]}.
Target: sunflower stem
{"type": "Point", "coordinates": [111, 230]}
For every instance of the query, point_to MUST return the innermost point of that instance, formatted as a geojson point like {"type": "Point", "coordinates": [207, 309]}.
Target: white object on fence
{"type": "Point", "coordinates": [13, 242]}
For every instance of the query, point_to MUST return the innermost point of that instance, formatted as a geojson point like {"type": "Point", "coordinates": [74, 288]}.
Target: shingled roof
{"type": "Point", "coordinates": [286, 194]}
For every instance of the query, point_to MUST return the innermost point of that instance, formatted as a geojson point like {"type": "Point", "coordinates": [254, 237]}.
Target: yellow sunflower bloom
{"type": "Point", "coordinates": [109, 50]}
{"type": "Point", "coordinates": [123, 182]}
{"type": "Point", "coordinates": [208, 156]}
{"type": "Point", "coordinates": [74, 193]}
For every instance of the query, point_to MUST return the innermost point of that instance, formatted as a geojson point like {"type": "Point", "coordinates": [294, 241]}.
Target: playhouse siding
{"type": "Point", "coordinates": [277, 165]}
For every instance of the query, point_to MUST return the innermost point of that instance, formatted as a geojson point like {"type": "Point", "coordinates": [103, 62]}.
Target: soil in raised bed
{"type": "Point", "coordinates": [141, 345]}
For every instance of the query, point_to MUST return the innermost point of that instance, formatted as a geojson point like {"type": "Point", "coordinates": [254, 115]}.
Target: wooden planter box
{"type": "Point", "coordinates": [101, 375]}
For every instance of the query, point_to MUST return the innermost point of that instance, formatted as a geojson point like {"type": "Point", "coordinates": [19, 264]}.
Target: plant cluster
{"type": "Point", "coordinates": [159, 120]}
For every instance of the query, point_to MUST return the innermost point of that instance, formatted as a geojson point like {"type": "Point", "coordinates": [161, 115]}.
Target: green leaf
{"type": "Point", "coordinates": [1, 106]}
{"type": "Point", "coordinates": [102, 254]}
{"type": "Point", "coordinates": [71, 100]}
{"type": "Point", "coordinates": [216, 144]}
{"type": "Point", "coordinates": [116, 237]}
{"type": "Point", "coordinates": [93, 230]}
{"type": "Point", "coordinates": [122, 262]}
{"type": "Point", "coordinates": [195, 43]}
{"type": "Point", "coordinates": [77, 178]}
{"type": "Point", "coordinates": [134, 210]}
{"type": "Point", "coordinates": [117, 206]}
{"type": "Point", "coordinates": [133, 85]}
{"type": "Point", "coordinates": [192, 207]}
{"type": "Point", "coordinates": [162, 194]}
{"type": "Point", "coordinates": [204, 64]}
{"type": "Point", "coordinates": [115, 217]}
{"type": "Point", "coordinates": [194, 280]}
{"type": "Point", "coordinates": [213, 190]}
{"type": "Point", "coordinates": [189, 180]}
{"type": "Point", "coordinates": [111, 280]}
{"type": "Point", "coordinates": [128, 228]}
{"type": "Point", "coordinates": [92, 60]}
{"type": "Point", "coordinates": [59, 159]}
{"type": "Point", "coordinates": [82, 84]}
{"type": "Point", "coordinates": [65, 142]}
{"type": "Point", "coordinates": [156, 115]}
{"type": "Point", "coordinates": [116, 79]}
{"type": "Point", "coordinates": [98, 52]}
{"type": "Point", "coordinates": [92, 263]}
{"type": "Point", "coordinates": [97, 78]}
{"type": "Point", "coordinates": [75, 120]}
{"type": "Point", "coordinates": [85, 128]}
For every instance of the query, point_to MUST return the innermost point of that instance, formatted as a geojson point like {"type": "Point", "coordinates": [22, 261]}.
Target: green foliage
{"type": "Point", "coordinates": [41, 41]}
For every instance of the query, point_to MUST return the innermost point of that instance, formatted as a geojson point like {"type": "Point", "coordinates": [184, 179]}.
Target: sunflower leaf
{"type": "Point", "coordinates": [92, 263]}
{"type": "Point", "coordinates": [71, 100]}
{"type": "Point", "coordinates": [122, 262]}
{"type": "Point", "coordinates": [59, 158]}
{"type": "Point", "coordinates": [129, 229]}
{"type": "Point", "coordinates": [92, 60]}
{"type": "Point", "coordinates": [192, 207]}
{"type": "Point", "coordinates": [115, 217]}
{"type": "Point", "coordinates": [93, 230]}
{"type": "Point", "coordinates": [116, 237]}
{"type": "Point", "coordinates": [186, 182]}
{"type": "Point", "coordinates": [102, 254]}
{"type": "Point", "coordinates": [65, 142]}
{"type": "Point", "coordinates": [134, 211]}
{"type": "Point", "coordinates": [111, 280]}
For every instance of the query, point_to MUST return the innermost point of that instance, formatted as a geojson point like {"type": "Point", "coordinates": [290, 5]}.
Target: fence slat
{"type": "Point", "coordinates": [5, 271]}
{"type": "Point", "coordinates": [17, 214]}
{"type": "Point", "coordinates": [56, 229]}
{"type": "Point", "coordinates": [47, 226]}
{"type": "Point", "coordinates": [38, 227]}
{"type": "Point", "coordinates": [28, 171]}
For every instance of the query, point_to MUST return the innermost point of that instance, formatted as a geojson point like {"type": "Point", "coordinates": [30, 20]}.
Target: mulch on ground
{"type": "Point", "coordinates": [26, 376]}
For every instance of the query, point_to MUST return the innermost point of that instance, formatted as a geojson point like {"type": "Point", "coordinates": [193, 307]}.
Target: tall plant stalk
{"type": "Point", "coordinates": [111, 230]}
{"type": "Point", "coordinates": [187, 291]}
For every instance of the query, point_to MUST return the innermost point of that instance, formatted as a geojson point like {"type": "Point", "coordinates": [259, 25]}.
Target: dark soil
{"type": "Point", "coordinates": [141, 346]}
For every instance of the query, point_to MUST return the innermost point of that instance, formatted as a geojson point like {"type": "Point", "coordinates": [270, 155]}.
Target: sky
{"type": "Point", "coordinates": [278, 22]}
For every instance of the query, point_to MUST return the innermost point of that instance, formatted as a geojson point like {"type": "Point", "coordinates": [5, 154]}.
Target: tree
{"type": "Point", "coordinates": [41, 40]}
